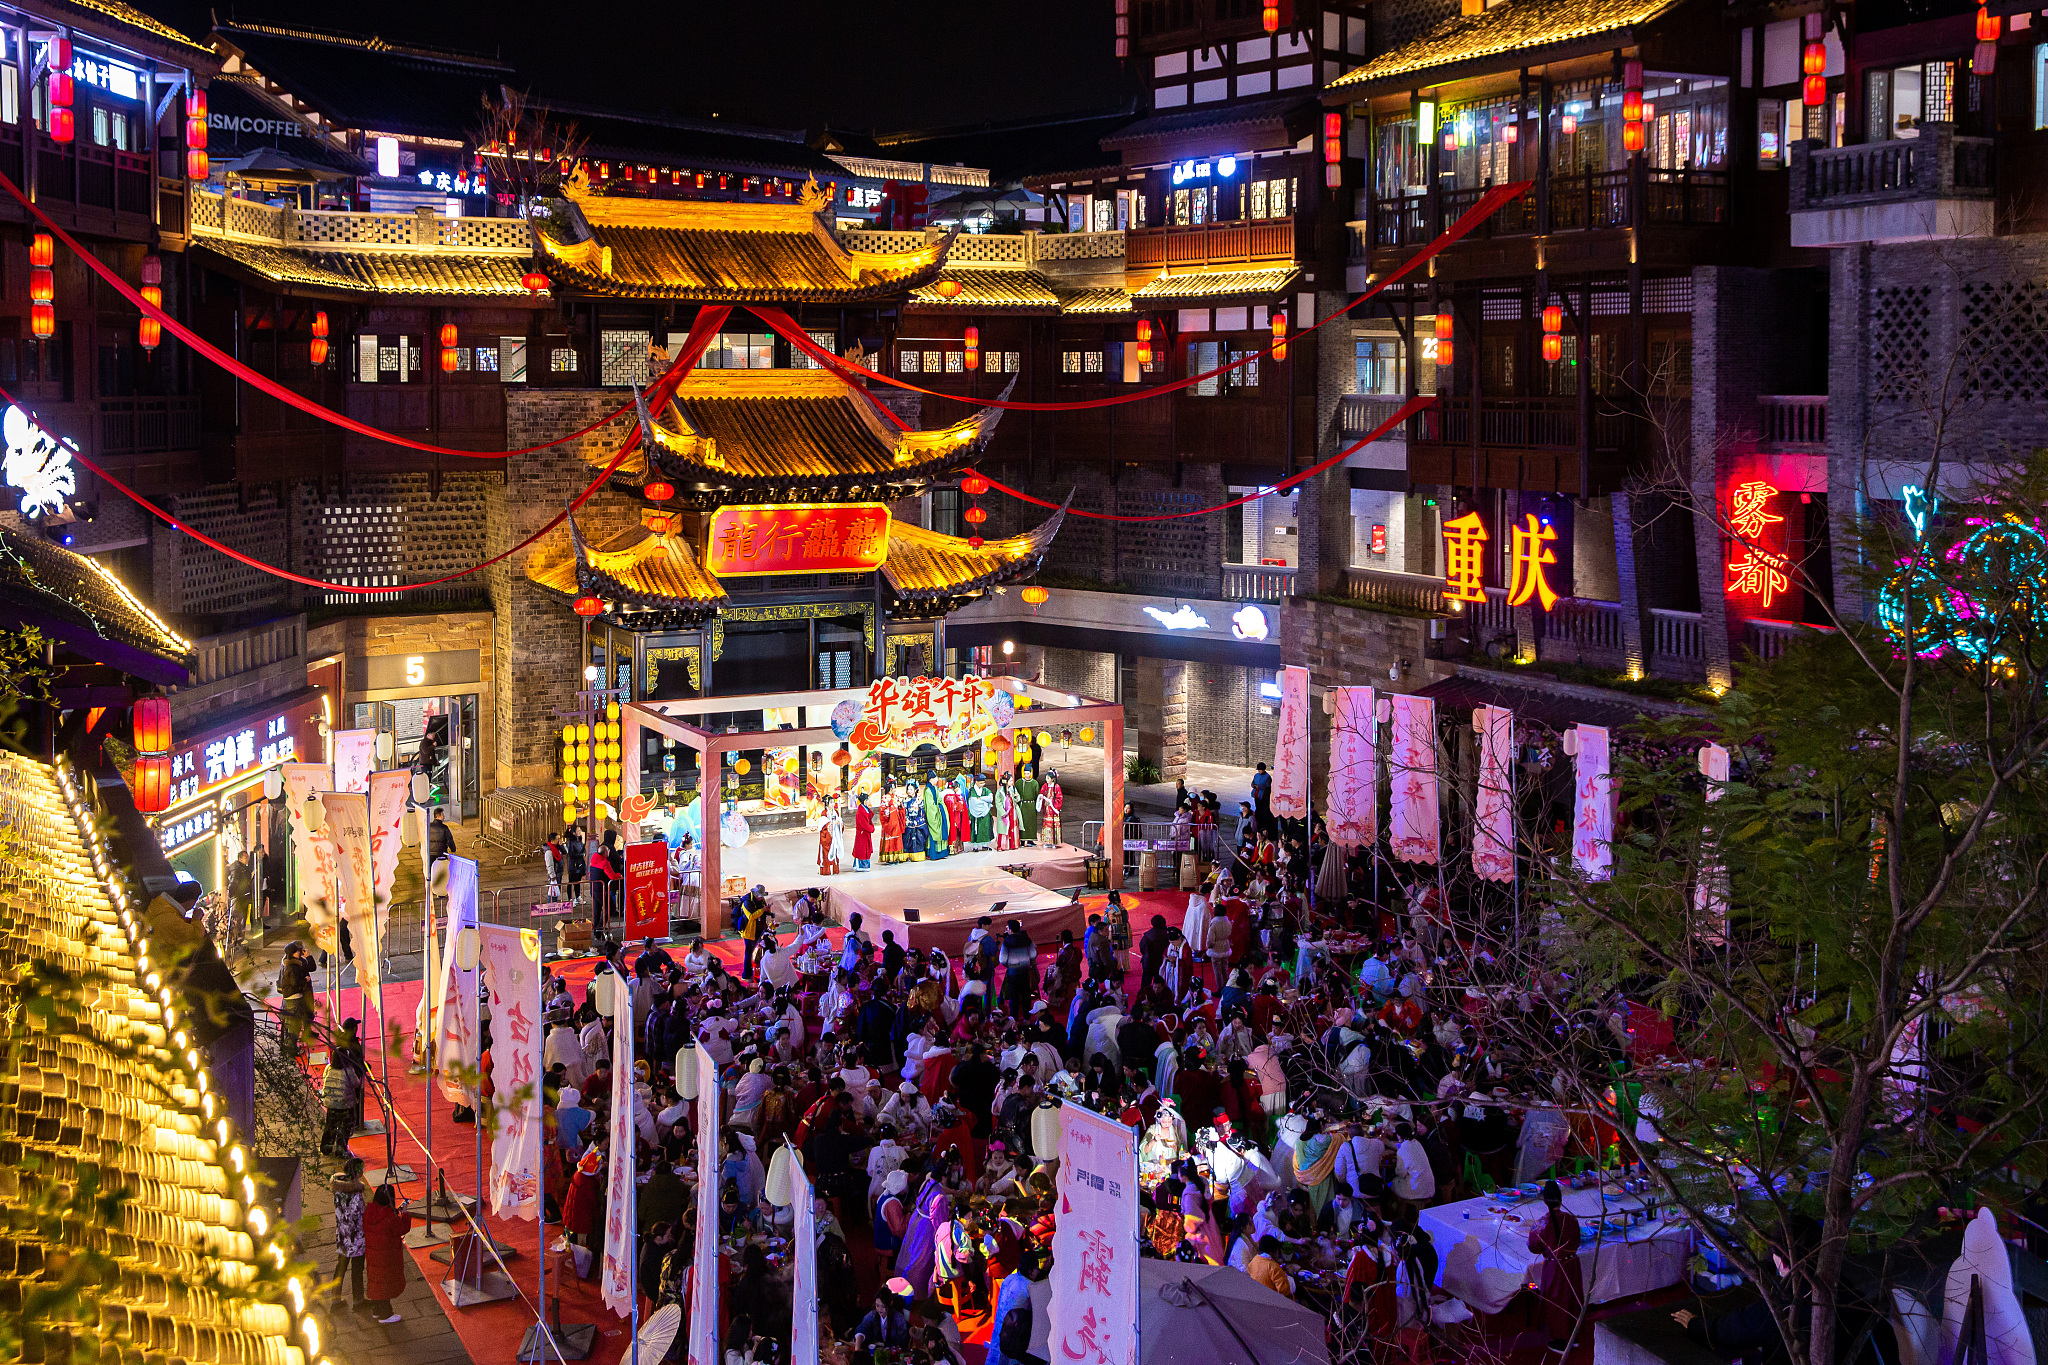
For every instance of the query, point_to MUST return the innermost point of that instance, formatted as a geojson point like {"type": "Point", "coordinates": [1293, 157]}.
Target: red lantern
{"type": "Point", "coordinates": [152, 785]}
{"type": "Point", "coordinates": [195, 104]}
{"type": "Point", "coordinates": [974, 542]}
{"type": "Point", "coordinates": [1443, 338]}
{"type": "Point", "coordinates": [1144, 343]}
{"type": "Point", "coordinates": [63, 125]}
{"type": "Point", "coordinates": [1814, 90]}
{"type": "Point", "coordinates": [660, 490]}
{"type": "Point", "coordinates": [974, 516]}
{"type": "Point", "coordinates": [319, 324]}
{"type": "Point", "coordinates": [1553, 349]}
{"type": "Point", "coordinates": [1279, 335]}
{"type": "Point", "coordinates": [448, 347]}
{"type": "Point", "coordinates": [42, 250]}
{"type": "Point", "coordinates": [1270, 19]}
{"type": "Point", "coordinates": [973, 338]}
{"type": "Point", "coordinates": [1333, 137]}
{"type": "Point", "coordinates": [1632, 106]}
{"type": "Point", "coordinates": [195, 165]}
{"type": "Point", "coordinates": [318, 351]}
{"type": "Point", "coordinates": [947, 289]}
{"type": "Point", "coordinates": [62, 91]}
{"type": "Point", "coordinates": [43, 319]}
{"type": "Point", "coordinates": [149, 332]}
{"type": "Point", "coordinates": [42, 285]}
{"type": "Point", "coordinates": [1987, 25]}
{"type": "Point", "coordinates": [60, 54]}
{"type": "Point", "coordinates": [1569, 124]}
{"type": "Point", "coordinates": [974, 485]}
{"type": "Point", "coordinates": [841, 757]}
{"type": "Point", "coordinates": [587, 605]}
{"type": "Point", "coordinates": [1633, 138]}
{"type": "Point", "coordinates": [1553, 319]}
{"type": "Point", "coordinates": [533, 281]}
{"type": "Point", "coordinates": [152, 724]}
{"type": "Point", "coordinates": [1813, 58]}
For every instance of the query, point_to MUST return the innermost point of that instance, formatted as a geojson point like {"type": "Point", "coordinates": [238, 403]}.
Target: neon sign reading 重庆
{"type": "Point", "coordinates": [1529, 555]}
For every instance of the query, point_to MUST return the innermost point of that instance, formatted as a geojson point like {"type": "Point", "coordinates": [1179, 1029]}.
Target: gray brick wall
{"type": "Point", "coordinates": [1082, 671]}
{"type": "Point", "coordinates": [1183, 556]}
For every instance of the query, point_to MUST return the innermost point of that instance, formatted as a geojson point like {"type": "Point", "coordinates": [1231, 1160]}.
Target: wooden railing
{"type": "Point", "coordinates": [1598, 199]}
{"type": "Point", "coordinates": [1398, 591]}
{"type": "Point", "coordinates": [1360, 414]}
{"type": "Point", "coordinates": [148, 426]}
{"type": "Point", "coordinates": [1257, 582]}
{"type": "Point", "coordinates": [1793, 422]}
{"type": "Point", "coordinates": [1935, 164]}
{"type": "Point", "coordinates": [1243, 242]}
{"type": "Point", "coordinates": [1519, 423]}
{"type": "Point", "coordinates": [215, 215]}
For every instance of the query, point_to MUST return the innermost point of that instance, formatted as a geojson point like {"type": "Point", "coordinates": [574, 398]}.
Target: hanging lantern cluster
{"type": "Point", "coordinates": [152, 726]}
{"type": "Point", "coordinates": [149, 331]}
{"type": "Point", "coordinates": [448, 335]}
{"type": "Point", "coordinates": [973, 340]}
{"type": "Point", "coordinates": [1984, 58]}
{"type": "Point", "coordinates": [1443, 337]}
{"type": "Point", "coordinates": [1333, 148]}
{"type": "Point", "coordinates": [1813, 60]}
{"type": "Point", "coordinates": [1553, 329]}
{"type": "Point", "coordinates": [63, 119]}
{"type": "Point", "coordinates": [588, 767]}
{"type": "Point", "coordinates": [1279, 334]}
{"type": "Point", "coordinates": [974, 485]}
{"type": "Point", "coordinates": [1144, 343]}
{"type": "Point", "coordinates": [319, 350]}
{"type": "Point", "coordinates": [42, 285]}
{"type": "Point", "coordinates": [195, 135]}
{"type": "Point", "coordinates": [1634, 137]}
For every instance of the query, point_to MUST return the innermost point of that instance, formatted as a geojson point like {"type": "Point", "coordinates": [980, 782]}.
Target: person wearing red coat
{"type": "Point", "coordinates": [586, 1197]}
{"type": "Point", "coordinates": [384, 1229]}
{"type": "Point", "coordinates": [863, 834]}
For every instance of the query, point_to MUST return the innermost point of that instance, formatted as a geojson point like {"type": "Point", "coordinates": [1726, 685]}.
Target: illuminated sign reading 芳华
{"type": "Point", "coordinates": [216, 759]}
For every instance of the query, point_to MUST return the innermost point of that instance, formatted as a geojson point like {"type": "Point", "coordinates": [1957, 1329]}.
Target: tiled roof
{"type": "Point", "coordinates": [241, 99]}
{"type": "Point", "coordinates": [101, 1090]}
{"type": "Point", "coordinates": [79, 600]}
{"type": "Point", "coordinates": [136, 19]}
{"type": "Point", "coordinates": [1112, 299]}
{"type": "Point", "coordinates": [788, 431]}
{"type": "Point", "coordinates": [429, 272]}
{"type": "Point", "coordinates": [649, 564]}
{"type": "Point", "coordinates": [1242, 114]}
{"type": "Point", "coordinates": [727, 253]}
{"type": "Point", "coordinates": [1520, 27]}
{"type": "Point", "coordinates": [372, 84]}
{"type": "Point", "coordinates": [1202, 284]}
{"type": "Point", "coordinates": [925, 563]}
{"type": "Point", "coordinates": [991, 289]}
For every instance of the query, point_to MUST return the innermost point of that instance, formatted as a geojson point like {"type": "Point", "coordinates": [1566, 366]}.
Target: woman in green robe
{"type": "Point", "coordinates": [935, 820]}
{"type": "Point", "coordinates": [1027, 806]}
{"type": "Point", "coordinates": [981, 805]}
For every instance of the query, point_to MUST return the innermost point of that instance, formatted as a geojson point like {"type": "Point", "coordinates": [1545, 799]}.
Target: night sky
{"type": "Point", "coordinates": [860, 64]}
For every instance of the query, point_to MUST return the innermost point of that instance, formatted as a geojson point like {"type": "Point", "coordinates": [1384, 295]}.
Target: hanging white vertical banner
{"type": "Point", "coordinates": [1592, 803]}
{"type": "Point", "coordinates": [1353, 811]}
{"type": "Point", "coordinates": [455, 1051]}
{"type": "Point", "coordinates": [1710, 889]}
{"type": "Point", "coordinates": [621, 1248]}
{"type": "Point", "coordinates": [355, 758]}
{"type": "Point", "coordinates": [511, 964]}
{"type": "Point", "coordinates": [388, 794]}
{"type": "Point", "coordinates": [704, 1271]}
{"type": "Point", "coordinates": [1094, 1313]}
{"type": "Point", "coordinates": [348, 826]}
{"type": "Point", "coordinates": [1290, 749]}
{"type": "Point", "coordinates": [312, 854]}
{"type": "Point", "coordinates": [1411, 774]}
{"type": "Point", "coordinates": [803, 1325]}
{"type": "Point", "coordinates": [1493, 822]}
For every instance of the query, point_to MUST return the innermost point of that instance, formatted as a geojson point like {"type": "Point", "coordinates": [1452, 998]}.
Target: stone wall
{"type": "Point", "coordinates": [538, 639]}
{"type": "Point", "coordinates": [1347, 646]}
{"type": "Point", "coordinates": [367, 637]}
{"type": "Point", "coordinates": [1081, 671]}
{"type": "Point", "coordinates": [1183, 556]}
{"type": "Point", "coordinates": [1159, 715]}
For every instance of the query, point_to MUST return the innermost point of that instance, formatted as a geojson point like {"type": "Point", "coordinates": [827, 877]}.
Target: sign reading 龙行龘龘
{"type": "Point", "coordinates": [848, 538]}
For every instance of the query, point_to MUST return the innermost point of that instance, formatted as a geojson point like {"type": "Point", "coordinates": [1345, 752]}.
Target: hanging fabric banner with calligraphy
{"type": "Point", "coordinates": [348, 826]}
{"type": "Point", "coordinates": [1411, 774]}
{"type": "Point", "coordinates": [1354, 806]}
{"type": "Point", "coordinates": [1290, 747]}
{"type": "Point", "coordinates": [511, 963]}
{"type": "Point", "coordinates": [621, 1246]}
{"type": "Point", "coordinates": [389, 793]}
{"type": "Point", "coordinates": [703, 1349]}
{"type": "Point", "coordinates": [1592, 803]}
{"type": "Point", "coordinates": [1710, 890]}
{"type": "Point", "coordinates": [1094, 1311]}
{"type": "Point", "coordinates": [455, 1023]}
{"type": "Point", "coordinates": [1493, 823]}
{"type": "Point", "coordinates": [312, 854]}
{"type": "Point", "coordinates": [355, 758]}
{"type": "Point", "coordinates": [803, 1327]}
{"type": "Point", "coordinates": [900, 715]}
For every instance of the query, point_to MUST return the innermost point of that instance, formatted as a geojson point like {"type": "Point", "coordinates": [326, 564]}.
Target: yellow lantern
{"type": "Point", "coordinates": [1023, 703]}
{"type": "Point", "coordinates": [582, 733]}
{"type": "Point", "coordinates": [568, 792]}
{"type": "Point", "coordinates": [742, 767]}
{"type": "Point", "coordinates": [1087, 735]}
{"type": "Point", "coordinates": [611, 711]}
{"type": "Point", "coordinates": [1045, 736]}
{"type": "Point", "coordinates": [568, 815]}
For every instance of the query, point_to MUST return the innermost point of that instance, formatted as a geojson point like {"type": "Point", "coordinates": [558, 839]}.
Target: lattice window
{"type": "Point", "coordinates": [363, 546]}
{"type": "Point", "coordinates": [1672, 295]}
{"type": "Point", "coordinates": [623, 357]}
{"type": "Point", "coordinates": [2003, 341]}
{"type": "Point", "coordinates": [1901, 339]}
{"type": "Point", "coordinates": [1501, 306]}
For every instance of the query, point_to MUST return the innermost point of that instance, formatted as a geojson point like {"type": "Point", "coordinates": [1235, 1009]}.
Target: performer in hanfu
{"type": "Point", "coordinates": [1050, 799]}
{"type": "Point", "coordinates": [863, 834]}
{"type": "Point", "coordinates": [938, 825]}
{"type": "Point", "coordinates": [959, 824]}
{"type": "Point", "coordinates": [915, 830]}
{"type": "Point", "coordinates": [981, 805]}
{"type": "Point", "coordinates": [1008, 830]}
{"type": "Point", "coordinates": [892, 829]}
{"type": "Point", "coordinates": [831, 841]}
{"type": "Point", "coordinates": [1027, 805]}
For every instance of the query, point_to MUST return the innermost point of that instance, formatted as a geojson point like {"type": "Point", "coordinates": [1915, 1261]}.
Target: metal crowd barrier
{"type": "Point", "coordinates": [519, 819]}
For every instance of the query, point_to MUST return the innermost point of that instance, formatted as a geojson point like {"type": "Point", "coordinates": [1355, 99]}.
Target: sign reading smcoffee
{"type": "Point", "coordinates": [382, 672]}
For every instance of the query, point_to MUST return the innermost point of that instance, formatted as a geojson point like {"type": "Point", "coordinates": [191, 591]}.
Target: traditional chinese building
{"type": "Point", "coordinates": [771, 533]}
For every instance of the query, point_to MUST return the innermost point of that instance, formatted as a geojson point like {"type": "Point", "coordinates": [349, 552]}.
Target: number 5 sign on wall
{"type": "Point", "coordinates": [647, 890]}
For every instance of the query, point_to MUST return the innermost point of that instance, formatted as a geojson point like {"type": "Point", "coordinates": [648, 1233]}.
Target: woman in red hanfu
{"type": "Point", "coordinates": [863, 834]}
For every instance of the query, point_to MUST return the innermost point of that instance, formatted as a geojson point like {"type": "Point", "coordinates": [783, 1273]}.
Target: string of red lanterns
{"type": "Point", "coordinates": [1279, 334]}
{"type": "Point", "coordinates": [448, 336]}
{"type": "Point", "coordinates": [1444, 326]}
{"type": "Point", "coordinates": [1553, 327]}
{"type": "Point", "coordinates": [151, 723]}
{"type": "Point", "coordinates": [319, 349]}
{"type": "Point", "coordinates": [42, 285]}
{"type": "Point", "coordinates": [149, 331]}
{"type": "Point", "coordinates": [195, 134]}
{"type": "Point", "coordinates": [1634, 137]}
{"type": "Point", "coordinates": [974, 485]}
{"type": "Point", "coordinates": [1144, 343]}
{"type": "Point", "coordinates": [973, 341]}
{"type": "Point", "coordinates": [1333, 149]}
{"type": "Point", "coordinates": [1984, 58]}
{"type": "Point", "coordinates": [58, 86]}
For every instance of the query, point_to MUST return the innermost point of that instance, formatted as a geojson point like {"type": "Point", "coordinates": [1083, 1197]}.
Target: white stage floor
{"type": "Point", "coordinates": [788, 863]}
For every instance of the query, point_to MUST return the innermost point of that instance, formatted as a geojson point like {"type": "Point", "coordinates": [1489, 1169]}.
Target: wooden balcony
{"type": "Point", "coordinates": [84, 187]}
{"type": "Point", "coordinates": [1527, 443]}
{"type": "Point", "coordinates": [1252, 241]}
{"type": "Point", "coordinates": [1565, 203]}
{"type": "Point", "coordinates": [1932, 185]}
{"type": "Point", "coordinates": [148, 443]}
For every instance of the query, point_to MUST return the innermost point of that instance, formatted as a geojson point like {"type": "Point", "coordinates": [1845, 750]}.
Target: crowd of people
{"type": "Point", "coordinates": [1307, 1072]}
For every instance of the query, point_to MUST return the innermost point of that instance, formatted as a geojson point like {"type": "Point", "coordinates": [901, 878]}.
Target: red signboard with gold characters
{"type": "Point", "coordinates": [847, 538]}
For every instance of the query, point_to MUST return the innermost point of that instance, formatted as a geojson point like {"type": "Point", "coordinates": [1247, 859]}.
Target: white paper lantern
{"type": "Point", "coordinates": [686, 1070]}
{"type": "Point", "coordinates": [781, 1178]}
{"type": "Point", "coordinates": [1045, 1131]}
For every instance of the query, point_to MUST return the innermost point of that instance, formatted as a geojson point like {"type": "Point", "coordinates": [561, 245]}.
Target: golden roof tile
{"type": "Point", "coordinates": [75, 597]}
{"type": "Point", "coordinates": [430, 272]}
{"type": "Point", "coordinates": [991, 289]}
{"type": "Point", "coordinates": [1109, 299]}
{"type": "Point", "coordinates": [649, 565]}
{"type": "Point", "coordinates": [925, 563]}
{"type": "Point", "coordinates": [726, 253]}
{"type": "Point", "coordinates": [1205, 283]}
{"type": "Point", "coordinates": [1519, 27]}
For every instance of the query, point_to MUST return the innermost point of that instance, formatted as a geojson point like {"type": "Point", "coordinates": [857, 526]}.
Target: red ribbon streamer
{"type": "Point", "coordinates": [709, 320]}
{"type": "Point", "coordinates": [1488, 204]}
{"type": "Point", "coordinates": [1408, 409]}
{"type": "Point", "coordinates": [271, 386]}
